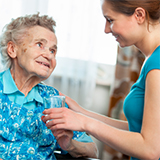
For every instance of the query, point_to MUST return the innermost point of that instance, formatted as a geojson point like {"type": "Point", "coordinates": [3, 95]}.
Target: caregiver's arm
{"type": "Point", "coordinates": [143, 145]}
{"type": "Point", "coordinates": [110, 121]}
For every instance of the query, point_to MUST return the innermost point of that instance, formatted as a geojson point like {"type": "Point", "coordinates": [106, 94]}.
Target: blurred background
{"type": "Point", "coordinates": [91, 68]}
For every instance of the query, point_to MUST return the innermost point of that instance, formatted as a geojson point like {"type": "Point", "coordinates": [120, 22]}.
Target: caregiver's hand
{"type": "Point", "coordinates": [73, 104]}
{"type": "Point", "coordinates": [64, 118]}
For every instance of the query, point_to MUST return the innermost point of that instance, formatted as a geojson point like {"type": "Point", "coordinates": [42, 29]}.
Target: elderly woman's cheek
{"type": "Point", "coordinates": [25, 50]}
{"type": "Point", "coordinates": [54, 63]}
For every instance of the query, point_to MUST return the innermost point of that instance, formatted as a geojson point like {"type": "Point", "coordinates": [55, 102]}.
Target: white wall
{"type": "Point", "coordinates": [100, 105]}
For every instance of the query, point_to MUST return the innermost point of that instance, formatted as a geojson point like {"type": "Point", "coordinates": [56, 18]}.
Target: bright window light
{"type": "Point", "coordinates": [80, 31]}
{"type": "Point", "coordinates": [80, 26]}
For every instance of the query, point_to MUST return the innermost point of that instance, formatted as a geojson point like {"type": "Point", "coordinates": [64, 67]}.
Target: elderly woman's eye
{"type": "Point", "coordinates": [52, 51]}
{"type": "Point", "coordinates": [39, 44]}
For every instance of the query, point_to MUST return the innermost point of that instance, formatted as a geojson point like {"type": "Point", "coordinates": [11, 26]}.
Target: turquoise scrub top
{"type": "Point", "coordinates": [134, 102]}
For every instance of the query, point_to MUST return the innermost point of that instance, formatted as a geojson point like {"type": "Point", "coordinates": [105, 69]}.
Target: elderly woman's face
{"type": "Point", "coordinates": [35, 56]}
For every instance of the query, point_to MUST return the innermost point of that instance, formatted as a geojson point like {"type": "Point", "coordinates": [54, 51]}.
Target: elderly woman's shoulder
{"type": "Point", "coordinates": [1, 77]}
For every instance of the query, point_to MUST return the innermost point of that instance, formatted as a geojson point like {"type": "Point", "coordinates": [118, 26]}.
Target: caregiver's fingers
{"type": "Point", "coordinates": [61, 94]}
{"type": "Point", "coordinates": [53, 110]}
{"type": "Point", "coordinates": [55, 122]}
{"type": "Point", "coordinates": [58, 126]}
{"type": "Point", "coordinates": [54, 113]}
{"type": "Point", "coordinates": [73, 105]}
{"type": "Point", "coordinates": [50, 117]}
{"type": "Point", "coordinates": [67, 99]}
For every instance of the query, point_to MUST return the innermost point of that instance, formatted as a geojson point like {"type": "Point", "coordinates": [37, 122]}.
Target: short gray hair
{"type": "Point", "coordinates": [17, 28]}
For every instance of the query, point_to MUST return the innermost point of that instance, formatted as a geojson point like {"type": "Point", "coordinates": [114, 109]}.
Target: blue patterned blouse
{"type": "Point", "coordinates": [23, 135]}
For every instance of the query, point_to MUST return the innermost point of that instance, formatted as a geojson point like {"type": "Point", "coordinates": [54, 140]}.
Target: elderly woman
{"type": "Point", "coordinates": [28, 48]}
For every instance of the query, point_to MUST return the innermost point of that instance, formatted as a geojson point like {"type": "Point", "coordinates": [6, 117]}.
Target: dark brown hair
{"type": "Point", "coordinates": [152, 7]}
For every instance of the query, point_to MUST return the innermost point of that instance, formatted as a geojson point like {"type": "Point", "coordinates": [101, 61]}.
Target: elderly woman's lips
{"type": "Point", "coordinates": [45, 64]}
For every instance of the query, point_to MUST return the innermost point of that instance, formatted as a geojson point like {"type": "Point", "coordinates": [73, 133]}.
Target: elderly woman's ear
{"type": "Point", "coordinates": [11, 49]}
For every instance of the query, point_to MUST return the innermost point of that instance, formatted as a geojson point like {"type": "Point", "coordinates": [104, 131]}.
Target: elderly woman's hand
{"type": "Point", "coordinates": [64, 138]}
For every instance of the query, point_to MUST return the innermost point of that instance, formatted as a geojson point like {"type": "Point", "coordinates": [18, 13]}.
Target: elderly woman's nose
{"type": "Point", "coordinates": [48, 53]}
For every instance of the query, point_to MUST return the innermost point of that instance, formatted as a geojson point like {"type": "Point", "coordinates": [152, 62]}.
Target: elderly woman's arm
{"type": "Point", "coordinates": [73, 147]}
{"type": "Point", "coordinates": [82, 149]}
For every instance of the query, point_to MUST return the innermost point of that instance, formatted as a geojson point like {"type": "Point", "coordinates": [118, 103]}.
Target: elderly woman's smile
{"type": "Point", "coordinates": [44, 64]}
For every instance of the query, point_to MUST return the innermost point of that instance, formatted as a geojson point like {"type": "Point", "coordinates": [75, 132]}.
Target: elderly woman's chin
{"type": "Point", "coordinates": [40, 74]}
{"type": "Point", "coordinates": [43, 73]}
{"type": "Point", "coordinates": [43, 76]}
